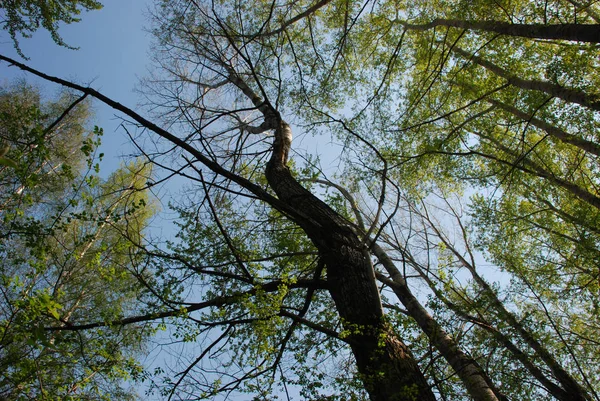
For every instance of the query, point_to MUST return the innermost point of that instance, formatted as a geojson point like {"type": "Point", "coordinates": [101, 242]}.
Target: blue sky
{"type": "Point", "coordinates": [112, 56]}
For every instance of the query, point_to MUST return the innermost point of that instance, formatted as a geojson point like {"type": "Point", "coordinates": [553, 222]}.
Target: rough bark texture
{"type": "Point", "coordinates": [387, 368]}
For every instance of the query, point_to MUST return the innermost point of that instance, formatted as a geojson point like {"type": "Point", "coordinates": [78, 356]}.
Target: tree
{"type": "Point", "coordinates": [25, 17]}
{"type": "Point", "coordinates": [67, 254]}
{"type": "Point", "coordinates": [468, 134]}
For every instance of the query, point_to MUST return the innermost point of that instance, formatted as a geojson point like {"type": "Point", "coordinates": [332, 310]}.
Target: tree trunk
{"type": "Point", "coordinates": [477, 383]}
{"type": "Point", "coordinates": [386, 366]}
{"type": "Point", "coordinates": [571, 390]}
{"type": "Point", "coordinates": [561, 135]}
{"type": "Point", "coordinates": [530, 167]}
{"type": "Point", "coordinates": [572, 32]}
{"type": "Point", "coordinates": [569, 95]}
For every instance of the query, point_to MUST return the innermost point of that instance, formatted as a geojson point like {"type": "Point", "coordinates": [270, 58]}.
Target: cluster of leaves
{"type": "Point", "coordinates": [484, 113]}
{"type": "Point", "coordinates": [469, 133]}
{"type": "Point", "coordinates": [240, 270]}
{"type": "Point", "coordinates": [20, 17]}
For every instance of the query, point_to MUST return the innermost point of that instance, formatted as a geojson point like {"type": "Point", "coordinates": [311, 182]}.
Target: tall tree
{"type": "Point", "coordinates": [466, 145]}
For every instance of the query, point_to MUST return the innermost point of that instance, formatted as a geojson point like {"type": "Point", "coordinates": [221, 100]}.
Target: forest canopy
{"type": "Point", "coordinates": [439, 242]}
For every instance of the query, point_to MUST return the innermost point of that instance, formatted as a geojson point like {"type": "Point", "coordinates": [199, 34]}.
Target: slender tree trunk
{"type": "Point", "coordinates": [575, 390]}
{"type": "Point", "coordinates": [530, 167]}
{"type": "Point", "coordinates": [574, 32]}
{"type": "Point", "coordinates": [586, 8]}
{"type": "Point", "coordinates": [569, 385]}
{"type": "Point", "coordinates": [555, 132]}
{"type": "Point", "coordinates": [569, 95]}
{"type": "Point", "coordinates": [477, 383]}
{"type": "Point", "coordinates": [388, 369]}
{"type": "Point", "coordinates": [561, 135]}
{"type": "Point", "coordinates": [556, 391]}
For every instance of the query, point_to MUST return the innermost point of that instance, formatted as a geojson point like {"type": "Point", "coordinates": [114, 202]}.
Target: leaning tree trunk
{"type": "Point", "coordinates": [386, 366]}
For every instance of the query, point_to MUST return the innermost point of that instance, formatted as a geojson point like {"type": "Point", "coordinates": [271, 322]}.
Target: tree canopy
{"type": "Point", "coordinates": [451, 253]}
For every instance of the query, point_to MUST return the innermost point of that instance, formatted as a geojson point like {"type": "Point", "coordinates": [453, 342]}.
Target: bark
{"type": "Point", "coordinates": [386, 366]}
{"type": "Point", "coordinates": [571, 390]}
{"type": "Point", "coordinates": [556, 391]}
{"type": "Point", "coordinates": [530, 167]}
{"type": "Point", "coordinates": [574, 32]}
{"type": "Point", "coordinates": [570, 387]}
{"type": "Point", "coordinates": [476, 381]}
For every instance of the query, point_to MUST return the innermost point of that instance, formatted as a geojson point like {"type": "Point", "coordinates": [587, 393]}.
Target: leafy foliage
{"type": "Point", "coordinates": [68, 256]}
{"type": "Point", "coordinates": [25, 17]}
{"type": "Point", "coordinates": [484, 130]}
